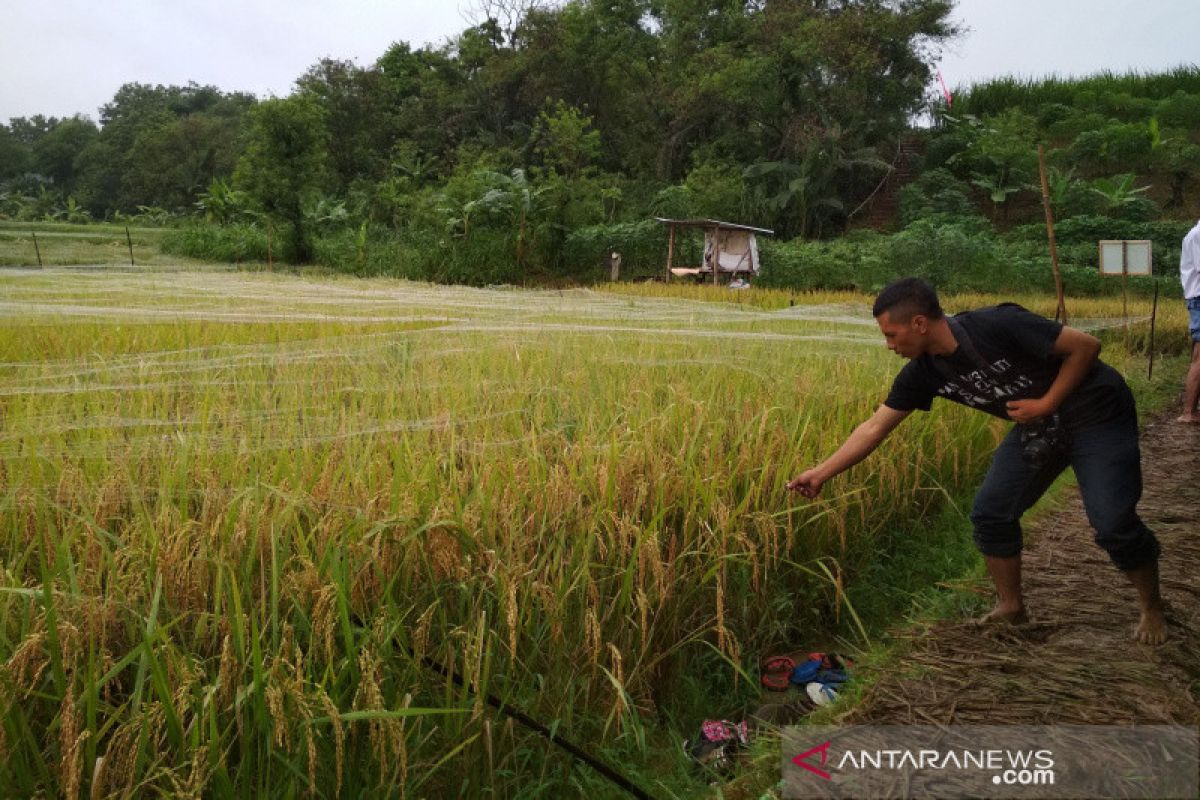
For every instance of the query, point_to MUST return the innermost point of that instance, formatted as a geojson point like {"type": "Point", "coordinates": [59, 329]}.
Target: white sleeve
{"type": "Point", "coordinates": [1189, 263]}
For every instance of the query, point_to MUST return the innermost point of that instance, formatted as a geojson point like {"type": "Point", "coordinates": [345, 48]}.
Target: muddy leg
{"type": "Point", "coordinates": [1191, 388]}
{"type": "Point", "coordinates": [1010, 603]}
{"type": "Point", "coordinates": [1152, 627]}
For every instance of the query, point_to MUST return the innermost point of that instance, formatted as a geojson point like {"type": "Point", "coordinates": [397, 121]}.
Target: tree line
{"type": "Point", "coordinates": [552, 116]}
{"type": "Point", "coordinates": [544, 136]}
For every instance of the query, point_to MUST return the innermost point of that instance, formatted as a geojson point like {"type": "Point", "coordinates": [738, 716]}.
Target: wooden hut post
{"type": "Point", "coordinates": [670, 250]}
{"type": "Point", "coordinates": [716, 266]}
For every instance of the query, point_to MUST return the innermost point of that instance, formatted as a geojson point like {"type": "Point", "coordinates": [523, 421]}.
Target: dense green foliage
{"type": "Point", "coordinates": [784, 114]}
{"type": "Point", "coordinates": [538, 141]}
{"type": "Point", "coordinates": [1122, 146]}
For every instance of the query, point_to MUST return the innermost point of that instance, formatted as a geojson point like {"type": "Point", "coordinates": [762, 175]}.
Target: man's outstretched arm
{"type": "Point", "coordinates": [865, 438]}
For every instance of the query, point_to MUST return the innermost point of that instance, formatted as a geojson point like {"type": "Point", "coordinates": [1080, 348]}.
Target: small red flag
{"type": "Point", "coordinates": [945, 92]}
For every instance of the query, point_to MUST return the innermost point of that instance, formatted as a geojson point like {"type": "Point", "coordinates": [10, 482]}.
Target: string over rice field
{"type": "Point", "coordinates": [237, 509]}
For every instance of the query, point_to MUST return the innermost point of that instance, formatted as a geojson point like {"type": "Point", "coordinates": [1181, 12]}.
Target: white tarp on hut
{"type": "Point", "coordinates": [738, 249]}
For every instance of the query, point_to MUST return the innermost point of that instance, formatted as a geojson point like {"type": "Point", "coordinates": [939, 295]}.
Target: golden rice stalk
{"type": "Point", "coordinates": [28, 662]}
{"type": "Point", "coordinates": [592, 625]}
{"type": "Point", "coordinates": [722, 632]}
{"type": "Point", "coordinates": [643, 604]}
{"type": "Point", "coordinates": [114, 773]}
{"type": "Point", "coordinates": [618, 673]}
{"type": "Point", "coordinates": [475, 679]}
{"type": "Point", "coordinates": [227, 674]}
{"type": "Point", "coordinates": [311, 748]}
{"type": "Point", "coordinates": [420, 636]}
{"type": "Point", "coordinates": [198, 776]}
{"type": "Point", "coordinates": [339, 737]}
{"type": "Point", "coordinates": [510, 614]}
{"type": "Point", "coordinates": [275, 707]}
{"type": "Point", "coordinates": [70, 740]}
{"type": "Point", "coordinates": [445, 553]}
{"type": "Point", "coordinates": [323, 620]}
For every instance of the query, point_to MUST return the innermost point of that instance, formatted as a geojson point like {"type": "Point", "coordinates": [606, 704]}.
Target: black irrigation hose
{"type": "Point", "coordinates": [529, 722]}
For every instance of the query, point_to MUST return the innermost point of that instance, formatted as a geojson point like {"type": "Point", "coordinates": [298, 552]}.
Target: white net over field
{"type": "Point", "coordinates": [292, 362]}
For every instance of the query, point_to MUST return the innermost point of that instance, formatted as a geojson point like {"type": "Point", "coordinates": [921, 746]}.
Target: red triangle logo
{"type": "Point", "coordinates": [823, 751]}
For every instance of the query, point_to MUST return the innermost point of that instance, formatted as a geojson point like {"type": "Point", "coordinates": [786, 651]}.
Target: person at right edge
{"type": "Point", "coordinates": [1071, 409]}
{"type": "Point", "coordinates": [1189, 275]}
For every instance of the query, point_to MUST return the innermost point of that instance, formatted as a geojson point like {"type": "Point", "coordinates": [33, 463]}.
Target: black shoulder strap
{"type": "Point", "coordinates": [968, 347]}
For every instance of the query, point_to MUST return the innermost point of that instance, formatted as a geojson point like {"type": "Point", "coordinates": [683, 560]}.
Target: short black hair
{"type": "Point", "coordinates": [907, 297]}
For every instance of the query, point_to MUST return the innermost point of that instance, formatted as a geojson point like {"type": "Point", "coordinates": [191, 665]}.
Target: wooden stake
{"type": "Point", "coordinates": [129, 241]}
{"type": "Point", "coordinates": [1153, 316]}
{"type": "Point", "coordinates": [37, 250]}
{"type": "Point", "coordinates": [1060, 313]}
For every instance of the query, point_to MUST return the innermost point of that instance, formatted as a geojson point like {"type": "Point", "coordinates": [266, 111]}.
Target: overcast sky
{"type": "Point", "coordinates": [61, 57]}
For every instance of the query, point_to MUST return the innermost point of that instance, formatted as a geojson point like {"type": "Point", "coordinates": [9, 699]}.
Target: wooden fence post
{"type": "Point", "coordinates": [129, 241]}
{"type": "Point", "coordinates": [37, 250]}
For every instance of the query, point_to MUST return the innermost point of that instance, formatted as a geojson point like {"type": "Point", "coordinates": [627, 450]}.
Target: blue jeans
{"type": "Point", "coordinates": [1107, 464]}
{"type": "Point", "coordinates": [1193, 307]}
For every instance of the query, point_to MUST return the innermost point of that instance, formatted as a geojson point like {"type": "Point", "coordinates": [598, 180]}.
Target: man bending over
{"type": "Point", "coordinates": [1071, 408]}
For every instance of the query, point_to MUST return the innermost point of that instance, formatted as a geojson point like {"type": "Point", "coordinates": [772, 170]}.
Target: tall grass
{"type": "Point", "coordinates": [1030, 94]}
{"type": "Point", "coordinates": [236, 510]}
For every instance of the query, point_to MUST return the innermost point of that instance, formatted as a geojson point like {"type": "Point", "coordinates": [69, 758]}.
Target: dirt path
{"type": "Point", "coordinates": [1076, 661]}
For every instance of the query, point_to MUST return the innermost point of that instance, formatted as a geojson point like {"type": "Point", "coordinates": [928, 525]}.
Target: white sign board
{"type": "Point", "coordinates": [1125, 257]}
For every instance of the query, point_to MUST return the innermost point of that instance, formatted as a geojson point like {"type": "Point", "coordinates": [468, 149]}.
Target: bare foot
{"type": "Point", "coordinates": [1193, 418]}
{"type": "Point", "coordinates": [1152, 627]}
{"type": "Point", "coordinates": [1004, 616]}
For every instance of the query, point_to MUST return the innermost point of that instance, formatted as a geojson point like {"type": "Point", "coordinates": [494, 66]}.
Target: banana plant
{"type": "Point", "coordinates": [1118, 191]}
{"type": "Point", "coordinates": [222, 203]}
{"type": "Point", "coordinates": [325, 211]}
{"type": "Point", "coordinates": [512, 199]}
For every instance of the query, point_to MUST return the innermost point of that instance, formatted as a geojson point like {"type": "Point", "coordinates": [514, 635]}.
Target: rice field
{"type": "Point", "coordinates": [57, 243]}
{"type": "Point", "coordinates": [239, 511]}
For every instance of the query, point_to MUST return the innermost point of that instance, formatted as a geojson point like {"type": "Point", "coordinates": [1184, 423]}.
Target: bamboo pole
{"type": "Point", "coordinates": [1060, 313]}
{"type": "Point", "coordinates": [37, 250]}
{"type": "Point", "coordinates": [129, 241]}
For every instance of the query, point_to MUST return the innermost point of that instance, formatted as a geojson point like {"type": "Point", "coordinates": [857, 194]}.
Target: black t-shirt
{"type": "Point", "coordinates": [1016, 362]}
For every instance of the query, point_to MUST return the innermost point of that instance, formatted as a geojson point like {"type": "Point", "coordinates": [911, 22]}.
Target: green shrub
{"type": "Point", "coordinates": [1180, 109]}
{"type": "Point", "coordinates": [1053, 113]}
{"type": "Point", "coordinates": [1074, 124]}
{"type": "Point", "coordinates": [376, 253]}
{"type": "Point", "coordinates": [1124, 105]}
{"type": "Point", "coordinates": [943, 147]}
{"type": "Point", "coordinates": [835, 264]}
{"type": "Point", "coordinates": [642, 245]}
{"type": "Point", "coordinates": [937, 191]}
{"type": "Point", "coordinates": [232, 243]}
{"type": "Point", "coordinates": [947, 255]}
{"type": "Point", "coordinates": [1079, 237]}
